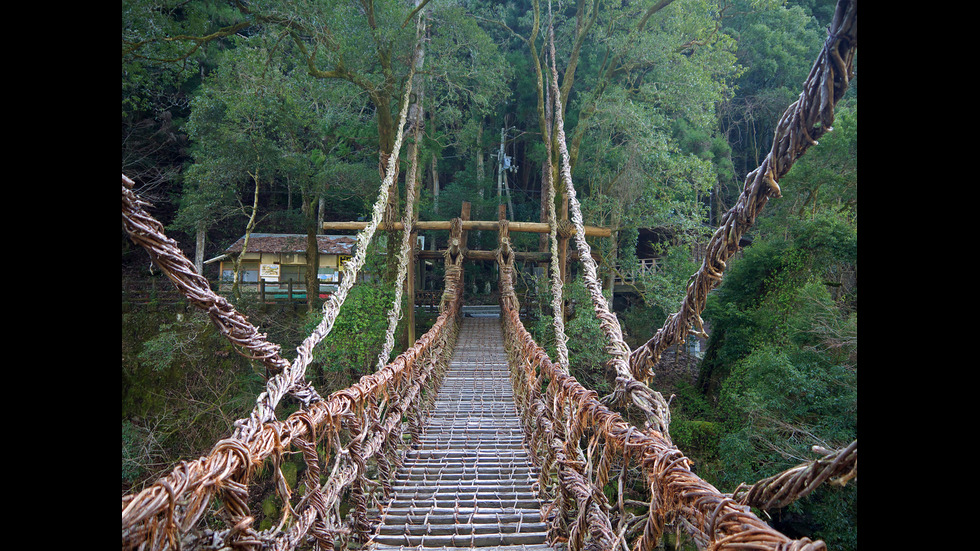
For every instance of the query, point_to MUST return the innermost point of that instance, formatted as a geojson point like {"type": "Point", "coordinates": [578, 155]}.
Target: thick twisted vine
{"type": "Point", "coordinates": [408, 219]}
{"type": "Point", "coordinates": [650, 402]}
{"type": "Point", "coordinates": [714, 520]}
{"type": "Point", "coordinates": [147, 232]}
{"type": "Point", "coordinates": [803, 123]}
{"type": "Point", "coordinates": [837, 467]}
{"type": "Point", "coordinates": [163, 514]}
{"type": "Point", "coordinates": [558, 319]}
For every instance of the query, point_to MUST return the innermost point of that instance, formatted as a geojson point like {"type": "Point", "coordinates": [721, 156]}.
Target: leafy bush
{"type": "Point", "coordinates": [782, 365]}
{"type": "Point", "coordinates": [357, 337]}
{"type": "Point", "coordinates": [586, 340]}
{"type": "Point", "coordinates": [586, 350]}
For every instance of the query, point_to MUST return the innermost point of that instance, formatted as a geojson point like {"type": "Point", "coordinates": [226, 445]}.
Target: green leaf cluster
{"type": "Point", "coordinates": [352, 347]}
{"type": "Point", "coordinates": [782, 362]}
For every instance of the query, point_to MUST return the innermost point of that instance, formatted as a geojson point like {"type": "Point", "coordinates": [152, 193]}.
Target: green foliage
{"type": "Point", "coordinates": [132, 444]}
{"type": "Point", "coordinates": [782, 362]}
{"type": "Point", "coordinates": [777, 45]}
{"type": "Point", "coordinates": [779, 403]}
{"type": "Point", "coordinates": [587, 355]}
{"type": "Point", "coordinates": [182, 388]}
{"type": "Point", "coordinates": [158, 352]}
{"type": "Point", "coordinates": [586, 352]}
{"type": "Point", "coordinates": [357, 337]}
{"type": "Point", "coordinates": [664, 288]}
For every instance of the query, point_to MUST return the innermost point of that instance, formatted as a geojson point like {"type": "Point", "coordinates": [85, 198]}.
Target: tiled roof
{"type": "Point", "coordinates": [293, 243]}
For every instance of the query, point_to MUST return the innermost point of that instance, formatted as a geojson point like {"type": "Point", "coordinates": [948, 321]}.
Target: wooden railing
{"type": "Point", "coordinates": [646, 266]}
{"type": "Point", "coordinates": [150, 290]}
{"type": "Point", "coordinates": [160, 290]}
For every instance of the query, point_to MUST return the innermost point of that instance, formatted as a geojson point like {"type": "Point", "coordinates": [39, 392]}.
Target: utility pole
{"type": "Point", "coordinates": [500, 165]}
{"type": "Point", "coordinates": [504, 163]}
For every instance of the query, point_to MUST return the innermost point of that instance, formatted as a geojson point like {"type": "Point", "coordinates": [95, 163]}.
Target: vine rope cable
{"type": "Point", "coordinates": [279, 385]}
{"type": "Point", "coordinates": [558, 317]}
{"type": "Point", "coordinates": [649, 401]}
{"type": "Point", "coordinates": [394, 313]}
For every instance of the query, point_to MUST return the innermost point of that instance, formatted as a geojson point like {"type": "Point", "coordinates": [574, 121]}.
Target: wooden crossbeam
{"type": "Point", "coordinates": [476, 254]}
{"type": "Point", "coordinates": [468, 225]}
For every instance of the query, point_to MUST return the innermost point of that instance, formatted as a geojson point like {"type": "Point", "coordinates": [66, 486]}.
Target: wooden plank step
{"type": "Point", "coordinates": [471, 518]}
{"type": "Point", "coordinates": [451, 502]}
{"type": "Point", "coordinates": [469, 482]}
{"type": "Point", "coordinates": [473, 492]}
{"type": "Point", "coordinates": [458, 540]}
{"type": "Point", "coordinates": [520, 547]}
{"type": "Point", "coordinates": [463, 529]}
{"type": "Point", "coordinates": [495, 473]}
{"type": "Point", "coordinates": [462, 511]}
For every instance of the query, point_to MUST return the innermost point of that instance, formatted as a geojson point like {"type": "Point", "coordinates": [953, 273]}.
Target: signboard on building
{"type": "Point", "coordinates": [328, 275]}
{"type": "Point", "coordinates": [269, 272]}
{"type": "Point", "coordinates": [342, 259]}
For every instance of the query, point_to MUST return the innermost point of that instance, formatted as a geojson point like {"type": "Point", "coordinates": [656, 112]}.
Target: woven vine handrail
{"type": "Point", "coordinates": [559, 412]}
{"type": "Point", "coordinates": [803, 123]}
{"type": "Point", "coordinates": [367, 417]}
{"type": "Point", "coordinates": [163, 514]}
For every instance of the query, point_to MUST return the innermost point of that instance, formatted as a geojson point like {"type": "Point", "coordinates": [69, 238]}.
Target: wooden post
{"type": "Point", "coordinates": [563, 237]}
{"type": "Point", "coordinates": [464, 215]}
{"type": "Point", "coordinates": [410, 287]}
{"type": "Point", "coordinates": [501, 216]}
{"type": "Point", "coordinates": [464, 237]}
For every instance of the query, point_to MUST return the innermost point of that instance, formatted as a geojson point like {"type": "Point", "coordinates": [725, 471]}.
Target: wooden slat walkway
{"type": "Point", "coordinates": [469, 483]}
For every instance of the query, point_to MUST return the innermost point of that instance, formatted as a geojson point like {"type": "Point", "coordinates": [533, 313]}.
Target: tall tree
{"type": "Point", "coordinates": [631, 73]}
{"type": "Point", "coordinates": [330, 39]}
{"type": "Point", "coordinates": [777, 43]}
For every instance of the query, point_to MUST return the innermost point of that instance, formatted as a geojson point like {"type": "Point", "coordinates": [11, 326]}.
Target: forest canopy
{"type": "Point", "coordinates": [275, 116]}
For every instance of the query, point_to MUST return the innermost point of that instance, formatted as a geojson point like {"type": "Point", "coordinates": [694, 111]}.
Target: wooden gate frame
{"type": "Point", "coordinates": [565, 231]}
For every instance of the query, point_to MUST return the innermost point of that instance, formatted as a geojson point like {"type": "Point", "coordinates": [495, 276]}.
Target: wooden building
{"type": "Point", "coordinates": [278, 262]}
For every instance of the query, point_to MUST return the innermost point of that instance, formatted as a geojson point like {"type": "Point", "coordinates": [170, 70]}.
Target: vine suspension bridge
{"type": "Point", "coordinates": [474, 437]}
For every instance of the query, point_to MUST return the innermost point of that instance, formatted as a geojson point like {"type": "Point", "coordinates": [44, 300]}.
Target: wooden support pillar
{"type": "Point", "coordinates": [410, 287]}
{"type": "Point", "coordinates": [564, 233]}
{"type": "Point", "coordinates": [464, 215]}
{"type": "Point", "coordinates": [504, 230]}
{"type": "Point", "coordinates": [464, 236]}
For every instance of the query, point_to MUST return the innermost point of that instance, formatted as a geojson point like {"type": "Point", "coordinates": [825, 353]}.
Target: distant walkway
{"type": "Point", "coordinates": [469, 483]}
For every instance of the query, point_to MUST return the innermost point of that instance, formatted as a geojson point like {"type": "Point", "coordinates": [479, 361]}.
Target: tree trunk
{"type": "Point", "coordinates": [199, 247]}
{"type": "Point", "coordinates": [435, 187]}
{"type": "Point", "coordinates": [236, 291]}
{"type": "Point", "coordinates": [480, 171]}
{"type": "Point", "coordinates": [320, 212]}
{"type": "Point", "coordinates": [312, 254]}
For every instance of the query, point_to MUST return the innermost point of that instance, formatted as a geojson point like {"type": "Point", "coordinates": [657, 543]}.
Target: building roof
{"type": "Point", "coordinates": [293, 243]}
